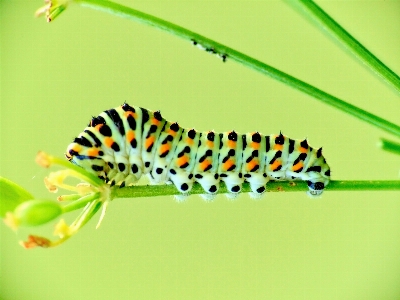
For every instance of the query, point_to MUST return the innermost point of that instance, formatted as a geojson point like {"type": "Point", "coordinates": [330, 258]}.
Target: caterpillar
{"type": "Point", "coordinates": [124, 143]}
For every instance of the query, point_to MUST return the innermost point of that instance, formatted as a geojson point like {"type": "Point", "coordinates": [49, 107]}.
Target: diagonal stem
{"type": "Point", "coordinates": [135, 15]}
{"type": "Point", "coordinates": [329, 25]}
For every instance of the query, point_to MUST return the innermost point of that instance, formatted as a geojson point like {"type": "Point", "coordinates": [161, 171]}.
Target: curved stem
{"type": "Point", "coordinates": [132, 14]}
{"type": "Point", "coordinates": [272, 186]}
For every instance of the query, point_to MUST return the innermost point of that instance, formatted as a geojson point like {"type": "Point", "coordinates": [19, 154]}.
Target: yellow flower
{"type": "Point", "coordinates": [62, 229]}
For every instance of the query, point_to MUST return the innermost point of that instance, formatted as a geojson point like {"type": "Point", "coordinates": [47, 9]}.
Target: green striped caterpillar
{"type": "Point", "coordinates": [124, 143]}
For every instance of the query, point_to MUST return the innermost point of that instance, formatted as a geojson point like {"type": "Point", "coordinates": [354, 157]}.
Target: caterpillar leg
{"type": "Point", "coordinates": [118, 173]}
{"type": "Point", "coordinates": [209, 182]}
{"type": "Point", "coordinates": [255, 196]}
{"type": "Point", "coordinates": [257, 184]}
{"type": "Point", "coordinates": [233, 182]}
{"type": "Point", "coordinates": [208, 197]}
{"type": "Point", "coordinates": [234, 187]}
{"type": "Point", "coordinates": [231, 196]}
{"type": "Point", "coordinates": [130, 179]}
{"type": "Point", "coordinates": [123, 179]}
{"type": "Point", "coordinates": [316, 183]}
{"type": "Point", "coordinates": [315, 188]}
{"type": "Point", "coordinates": [182, 181]}
{"type": "Point", "coordinates": [181, 197]}
{"type": "Point", "coordinates": [117, 179]}
{"type": "Point", "coordinates": [257, 190]}
{"type": "Point", "coordinates": [135, 170]}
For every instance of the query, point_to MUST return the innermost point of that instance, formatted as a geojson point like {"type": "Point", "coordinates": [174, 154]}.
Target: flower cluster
{"type": "Point", "coordinates": [90, 195]}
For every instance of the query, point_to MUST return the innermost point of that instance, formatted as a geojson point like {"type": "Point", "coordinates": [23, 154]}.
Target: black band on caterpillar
{"type": "Point", "coordinates": [122, 144]}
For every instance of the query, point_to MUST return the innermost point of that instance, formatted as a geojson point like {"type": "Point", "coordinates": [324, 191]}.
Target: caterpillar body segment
{"type": "Point", "coordinates": [124, 143]}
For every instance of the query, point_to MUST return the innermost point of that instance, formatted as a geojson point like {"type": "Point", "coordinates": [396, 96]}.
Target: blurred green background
{"type": "Point", "coordinates": [55, 76]}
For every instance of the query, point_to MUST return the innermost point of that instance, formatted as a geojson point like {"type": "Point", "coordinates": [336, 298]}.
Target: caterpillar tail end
{"type": "Point", "coordinates": [315, 189]}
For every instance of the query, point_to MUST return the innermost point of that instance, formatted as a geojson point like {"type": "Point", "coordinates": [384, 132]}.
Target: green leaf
{"type": "Point", "coordinates": [11, 195]}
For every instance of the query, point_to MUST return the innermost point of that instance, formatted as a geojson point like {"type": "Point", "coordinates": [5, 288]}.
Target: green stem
{"type": "Point", "coordinates": [272, 186]}
{"type": "Point", "coordinates": [328, 24]}
{"type": "Point", "coordinates": [390, 146]}
{"type": "Point", "coordinates": [132, 14]}
{"type": "Point", "coordinates": [79, 172]}
{"type": "Point", "coordinates": [74, 205]}
{"type": "Point", "coordinates": [364, 185]}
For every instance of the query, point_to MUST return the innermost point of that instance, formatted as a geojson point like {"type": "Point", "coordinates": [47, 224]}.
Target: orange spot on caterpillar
{"type": "Point", "coordinates": [210, 144]}
{"type": "Point", "coordinates": [204, 165]}
{"type": "Point", "coordinates": [189, 141]}
{"type": "Point", "coordinates": [255, 146]}
{"type": "Point", "coordinates": [149, 141]}
{"type": "Point", "coordinates": [275, 165]}
{"type": "Point", "coordinates": [228, 164]}
{"type": "Point", "coordinates": [231, 144]}
{"type": "Point", "coordinates": [171, 132]}
{"type": "Point", "coordinates": [129, 113]}
{"type": "Point", "coordinates": [252, 164]}
{"type": "Point", "coordinates": [130, 135]}
{"type": "Point", "coordinates": [154, 121]}
{"type": "Point", "coordinates": [297, 166]}
{"type": "Point", "coordinates": [278, 147]}
{"type": "Point", "coordinates": [98, 126]}
{"type": "Point", "coordinates": [164, 148]}
{"type": "Point", "coordinates": [93, 152]}
{"type": "Point", "coordinates": [302, 150]}
{"type": "Point", "coordinates": [108, 141]}
{"type": "Point", "coordinates": [182, 160]}
{"type": "Point", "coordinates": [77, 148]}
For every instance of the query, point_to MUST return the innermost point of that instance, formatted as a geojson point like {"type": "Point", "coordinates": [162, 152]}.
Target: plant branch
{"type": "Point", "coordinates": [272, 186]}
{"type": "Point", "coordinates": [329, 25]}
{"type": "Point", "coordinates": [132, 14]}
{"type": "Point", "coordinates": [389, 146]}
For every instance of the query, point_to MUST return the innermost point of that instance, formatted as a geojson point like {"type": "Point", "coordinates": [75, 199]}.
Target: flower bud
{"type": "Point", "coordinates": [36, 212]}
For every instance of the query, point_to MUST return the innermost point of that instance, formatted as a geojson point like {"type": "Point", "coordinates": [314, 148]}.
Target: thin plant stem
{"type": "Point", "coordinates": [329, 25]}
{"type": "Point", "coordinates": [272, 186]}
{"type": "Point", "coordinates": [82, 202]}
{"type": "Point", "coordinates": [389, 146]}
{"type": "Point", "coordinates": [132, 14]}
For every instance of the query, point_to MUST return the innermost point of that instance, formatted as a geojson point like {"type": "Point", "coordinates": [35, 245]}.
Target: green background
{"type": "Point", "coordinates": [55, 76]}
